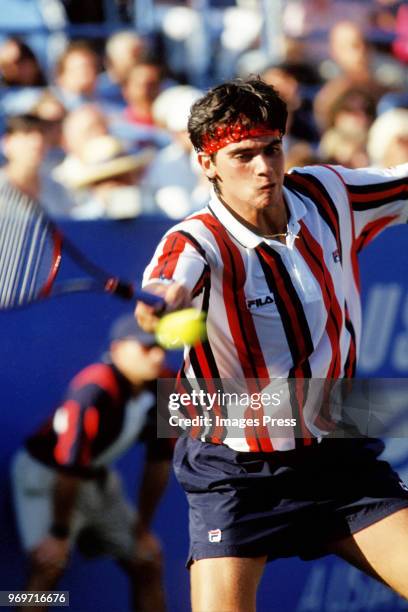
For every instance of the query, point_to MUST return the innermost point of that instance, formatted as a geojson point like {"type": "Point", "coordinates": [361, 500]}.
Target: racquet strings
{"type": "Point", "coordinates": [28, 250]}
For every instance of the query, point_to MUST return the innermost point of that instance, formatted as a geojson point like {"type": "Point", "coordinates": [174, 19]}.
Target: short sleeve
{"type": "Point", "coordinates": [179, 257]}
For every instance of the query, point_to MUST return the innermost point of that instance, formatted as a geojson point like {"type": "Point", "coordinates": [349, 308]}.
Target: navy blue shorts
{"type": "Point", "coordinates": [283, 504]}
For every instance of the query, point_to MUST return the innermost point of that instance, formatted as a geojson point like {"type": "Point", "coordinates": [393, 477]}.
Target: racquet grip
{"type": "Point", "coordinates": [128, 292]}
{"type": "Point", "coordinates": [149, 298]}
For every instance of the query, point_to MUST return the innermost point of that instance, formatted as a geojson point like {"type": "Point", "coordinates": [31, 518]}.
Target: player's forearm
{"type": "Point", "coordinates": [64, 497]}
{"type": "Point", "coordinates": [154, 480]}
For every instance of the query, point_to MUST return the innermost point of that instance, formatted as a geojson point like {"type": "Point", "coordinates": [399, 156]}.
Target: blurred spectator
{"type": "Point", "coordinates": [25, 145]}
{"type": "Point", "coordinates": [52, 111]}
{"type": "Point", "coordinates": [76, 74]}
{"type": "Point", "coordinates": [110, 175]}
{"type": "Point", "coordinates": [350, 107]}
{"type": "Point", "coordinates": [388, 139]}
{"type": "Point", "coordinates": [21, 77]}
{"type": "Point", "coordinates": [346, 123]}
{"type": "Point", "coordinates": [346, 149]}
{"type": "Point", "coordinates": [19, 66]}
{"type": "Point", "coordinates": [173, 180]}
{"type": "Point", "coordinates": [353, 57]}
{"type": "Point", "coordinates": [66, 491]}
{"type": "Point", "coordinates": [122, 52]}
{"type": "Point", "coordinates": [311, 19]}
{"type": "Point", "coordinates": [299, 155]}
{"type": "Point", "coordinates": [80, 125]}
{"type": "Point", "coordinates": [140, 90]}
{"type": "Point", "coordinates": [284, 77]}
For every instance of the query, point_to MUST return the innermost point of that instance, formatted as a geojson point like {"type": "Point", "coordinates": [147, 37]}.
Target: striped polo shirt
{"type": "Point", "coordinates": [281, 311]}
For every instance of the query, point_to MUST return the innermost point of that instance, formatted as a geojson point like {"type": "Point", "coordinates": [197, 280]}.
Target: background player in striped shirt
{"type": "Point", "coordinates": [66, 493]}
{"type": "Point", "coordinates": [293, 239]}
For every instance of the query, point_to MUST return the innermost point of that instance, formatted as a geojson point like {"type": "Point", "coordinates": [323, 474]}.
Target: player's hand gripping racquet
{"type": "Point", "coordinates": [31, 251]}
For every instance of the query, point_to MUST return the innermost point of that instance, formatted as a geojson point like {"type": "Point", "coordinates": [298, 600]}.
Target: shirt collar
{"type": "Point", "coordinates": [243, 234]}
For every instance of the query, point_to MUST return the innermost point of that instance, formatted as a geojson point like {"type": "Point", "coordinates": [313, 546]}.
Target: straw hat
{"type": "Point", "coordinates": [105, 157]}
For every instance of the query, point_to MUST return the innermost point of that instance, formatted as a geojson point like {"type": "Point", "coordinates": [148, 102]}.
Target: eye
{"type": "Point", "coordinates": [272, 149]}
{"type": "Point", "coordinates": [244, 157]}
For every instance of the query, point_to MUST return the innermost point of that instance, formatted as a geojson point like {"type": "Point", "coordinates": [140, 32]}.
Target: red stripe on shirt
{"type": "Point", "coordinates": [167, 262]}
{"type": "Point", "coordinates": [322, 200]}
{"type": "Point", "coordinates": [291, 311]}
{"type": "Point", "coordinates": [370, 231]}
{"type": "Point", "coordinates": [312, 253]}
{"type": "Point", "coordinates": [373, 193]}
{"type": "Point", "coordinates": [240, 320]}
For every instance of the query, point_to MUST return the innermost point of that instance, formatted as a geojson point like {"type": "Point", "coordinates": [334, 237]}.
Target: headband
{"type": "Point", "coordinates": [226, 134]}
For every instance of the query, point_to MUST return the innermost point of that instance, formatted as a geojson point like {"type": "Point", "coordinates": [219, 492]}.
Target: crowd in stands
{"type": "Point", "coordinates": [101, 130]}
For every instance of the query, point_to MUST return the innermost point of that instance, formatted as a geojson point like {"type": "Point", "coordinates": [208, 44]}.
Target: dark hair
{"type": "Point", "coordinates": [251, 99]}
{"type": "Point", "coordinates": [24, 123]}
{"type": "Point", "coordinates": [25, 53]}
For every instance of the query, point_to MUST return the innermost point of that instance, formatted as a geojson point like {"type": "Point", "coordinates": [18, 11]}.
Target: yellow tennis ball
{"type": "Point", "coordinates": [182, 327]}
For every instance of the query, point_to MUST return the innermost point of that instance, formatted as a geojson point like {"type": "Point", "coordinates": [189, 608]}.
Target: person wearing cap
{"type": "Point", "coordinates": [65, 491]}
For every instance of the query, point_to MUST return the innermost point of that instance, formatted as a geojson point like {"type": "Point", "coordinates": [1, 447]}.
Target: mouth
{"type": "Point", "coordinates": [267, 187]}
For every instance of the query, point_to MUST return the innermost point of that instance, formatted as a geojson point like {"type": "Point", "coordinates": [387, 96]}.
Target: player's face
{"type": "Point", "coordinates": [249, 174]}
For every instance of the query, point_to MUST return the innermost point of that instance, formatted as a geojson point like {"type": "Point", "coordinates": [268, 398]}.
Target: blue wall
{"type": "Point", "coordinates": [44, 345]}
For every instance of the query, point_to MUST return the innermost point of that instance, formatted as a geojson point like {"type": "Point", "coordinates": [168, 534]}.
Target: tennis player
{"type": "Point", "coordinates": [65, 491]}
{"type": "Point", "coordinates": [273, 260]}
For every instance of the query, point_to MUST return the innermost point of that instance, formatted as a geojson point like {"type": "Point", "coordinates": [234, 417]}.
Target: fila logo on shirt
{"type": "Point", "coordinates": [214, 535]}
{"type": "Point", "coordinates": [258, 302]}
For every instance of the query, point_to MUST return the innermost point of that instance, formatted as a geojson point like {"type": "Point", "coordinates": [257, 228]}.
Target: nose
{"type": "Point", "coordinates": [263, 165]}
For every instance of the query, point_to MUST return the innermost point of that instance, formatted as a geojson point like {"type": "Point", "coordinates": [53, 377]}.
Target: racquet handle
{"type": "Point", "coordinates": [128, 292]}
{"type": "Point", "coordinates": [150, 299]}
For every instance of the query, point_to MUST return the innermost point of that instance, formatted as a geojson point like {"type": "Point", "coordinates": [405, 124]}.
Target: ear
{"type": "Point", "coordinates": [207, 165]}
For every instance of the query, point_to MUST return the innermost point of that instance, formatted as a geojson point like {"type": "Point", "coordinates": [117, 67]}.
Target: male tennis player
{"type": "Point", "coordinates": [273, 260]}
{"type": "Point", "coordinates": [66, 493]}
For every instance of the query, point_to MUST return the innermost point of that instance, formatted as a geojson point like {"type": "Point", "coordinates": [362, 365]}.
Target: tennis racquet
{"type": "Point", "coordinates": [32, 249]}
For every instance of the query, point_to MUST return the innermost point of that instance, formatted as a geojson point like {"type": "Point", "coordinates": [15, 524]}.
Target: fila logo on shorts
{"type": "Point", "coordinates": [214, 535]}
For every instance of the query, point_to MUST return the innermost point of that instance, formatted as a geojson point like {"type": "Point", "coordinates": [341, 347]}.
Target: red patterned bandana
{"type": "Point", "coordinates": [226, 134]}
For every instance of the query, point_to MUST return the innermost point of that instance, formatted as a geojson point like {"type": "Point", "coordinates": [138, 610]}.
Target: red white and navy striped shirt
{"type": "Point", "coordinates": [279, 311]}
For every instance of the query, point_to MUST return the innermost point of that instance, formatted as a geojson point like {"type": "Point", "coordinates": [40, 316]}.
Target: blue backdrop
{"type": "Point", "coordinates": [44, 345]}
